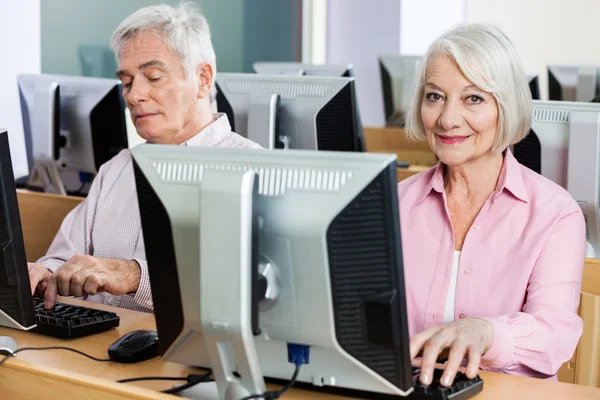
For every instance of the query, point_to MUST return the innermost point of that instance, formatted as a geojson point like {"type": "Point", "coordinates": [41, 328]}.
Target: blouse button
{"type": "Point", "coordinates": [468, 271]}
{"type": "Point", "coordinates": [461, 316]}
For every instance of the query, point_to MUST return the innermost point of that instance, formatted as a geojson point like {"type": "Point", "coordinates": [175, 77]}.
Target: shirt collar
{"type": "Point", "coordinates": [511, 179]}
{"type": "Point", "coordinates": [211, 134]}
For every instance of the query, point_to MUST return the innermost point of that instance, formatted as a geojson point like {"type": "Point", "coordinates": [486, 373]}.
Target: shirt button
{"type": "Point", "coordinates": [468, 271]}
{"type": "Point", "coordinates": [461, 316]}
{"type": "Point", "coordinates": [476, 227]}
{"type": "Point", "coordinates": [111, 301]}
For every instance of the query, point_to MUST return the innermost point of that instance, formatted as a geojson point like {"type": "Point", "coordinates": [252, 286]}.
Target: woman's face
{"type": "Point", "coordinates": [461, 121]}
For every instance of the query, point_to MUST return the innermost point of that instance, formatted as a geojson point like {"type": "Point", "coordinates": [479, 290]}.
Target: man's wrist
{"type": "Point", "coordinates": [135, 275]}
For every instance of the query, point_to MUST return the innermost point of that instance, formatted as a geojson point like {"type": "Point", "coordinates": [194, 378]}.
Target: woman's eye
{"type": "Point", "coordinates": [433, 96]}
{"type": "Point", "coordinates": [474, 99]}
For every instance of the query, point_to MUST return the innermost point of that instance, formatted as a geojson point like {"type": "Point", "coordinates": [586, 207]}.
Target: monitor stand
{"type": "Point", "coordinates": [227, 274]}
{"type": "Point", "coordinates": [45, 174]}
{"type": "Point", "coordinates": [262, 119]}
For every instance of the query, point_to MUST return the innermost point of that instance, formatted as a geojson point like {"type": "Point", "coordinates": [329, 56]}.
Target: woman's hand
{"type": "Point", "coordinates": [469, 337]}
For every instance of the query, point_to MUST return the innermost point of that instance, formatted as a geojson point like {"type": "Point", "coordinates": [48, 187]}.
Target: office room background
{"type": "Point", "coordinates": [71, 37]}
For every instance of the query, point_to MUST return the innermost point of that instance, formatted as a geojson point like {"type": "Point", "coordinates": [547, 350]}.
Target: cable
{"type": "Point", "coordinates": [53, 348]}
{"type": "Point", "coordinates": [192, 381]}
{"type": "Point", "coordinates": [153, 378]}
{"type": "Point", "coordinates": [298, 354]}
{"type": "Point", "coordinates": [275, 394]}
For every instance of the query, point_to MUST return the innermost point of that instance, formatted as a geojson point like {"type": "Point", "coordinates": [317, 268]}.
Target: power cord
{"type": "Point", "coordinates": [193, 379]}
{"type": "Point", "coordinates": [298, 354]}
{"type": "Point", "coordinates": [53, 348]}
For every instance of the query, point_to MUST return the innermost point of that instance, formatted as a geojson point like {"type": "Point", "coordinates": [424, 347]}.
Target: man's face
{"type": "Point", "coordinates": [163, 102]}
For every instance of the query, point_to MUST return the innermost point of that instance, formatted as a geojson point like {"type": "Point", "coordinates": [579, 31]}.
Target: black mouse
{"type": "Point", "coordinates": [134, 347]}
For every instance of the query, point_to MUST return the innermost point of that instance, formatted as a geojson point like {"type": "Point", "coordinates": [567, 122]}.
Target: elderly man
{"type": "Point", "coordinates": [166, 63]}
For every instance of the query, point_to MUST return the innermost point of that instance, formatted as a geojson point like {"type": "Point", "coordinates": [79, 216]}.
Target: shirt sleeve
{"type": "Point", "coordinates": [545, 334]}
{"type": "Point", "coordinates": [75, 233]}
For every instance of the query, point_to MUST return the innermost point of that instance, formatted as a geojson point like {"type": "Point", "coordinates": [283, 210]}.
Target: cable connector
{"type": "Point", "coordinates": [298, 354]}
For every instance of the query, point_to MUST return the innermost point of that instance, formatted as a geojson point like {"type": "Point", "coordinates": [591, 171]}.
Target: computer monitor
{"type": "Point", "coordinates": [398, 74]}
{"type": "Point", "coordinates": [564, 146]}
{"type": "Point", "coordinates": [88, 126]}
{"type": "Point", "coordinates": [573, 82]}
{"type": "Point", "coordinates": [321, 228]}
{"type": "Point", "coordinates": [303, 69]}
{"type": "Point", "coordinates": [292, 112]}
{"type": "Point", "coordinates": [534, 86]}
{"type": "Point", "coordinates": [16, 302]}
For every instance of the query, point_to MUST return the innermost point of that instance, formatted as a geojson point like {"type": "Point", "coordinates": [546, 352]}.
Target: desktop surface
{"type": "Point", "coordinates": [497, 386]}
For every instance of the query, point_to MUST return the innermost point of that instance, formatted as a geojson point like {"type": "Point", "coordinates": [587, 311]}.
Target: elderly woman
{"type": "Point", "coordinates": [493, 252]}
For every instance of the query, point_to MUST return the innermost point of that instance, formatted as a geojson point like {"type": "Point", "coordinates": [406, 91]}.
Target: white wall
{"type": "Point", "coordinates": [357, 32]}
{"type": "Point", "coordinates": [419, 26]}
{"type": "Point", "coordinates": [20, 53]}
{"type": "Point", "coordinates": [545, 31]}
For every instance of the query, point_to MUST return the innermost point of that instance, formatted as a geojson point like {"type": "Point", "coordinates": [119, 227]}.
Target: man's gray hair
{"type": "Point", "coordinates": [488, 59]}
{"type": "Point", "coordinates": [184, 29]}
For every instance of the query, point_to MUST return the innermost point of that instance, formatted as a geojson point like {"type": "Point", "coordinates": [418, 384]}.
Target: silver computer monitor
{"type": "Point", "coordinates": [398, 74]}
{"type": "Point", "coordinates": [71, 123]}
{"type": "Point", "coordinates": [303, 69]}
{"type": "Point", "coordinates": [321, 228]}
{"type": "Point", "coordinates": [292, 112]}
{"type": "Point", "coordinates": [564, 146]}
{"type": "Point", "coordinates": [573, 82]}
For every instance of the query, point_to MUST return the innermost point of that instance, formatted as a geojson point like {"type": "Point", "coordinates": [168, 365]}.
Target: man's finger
{"type": "Point", "coordinates": [63, 278]}
{"type": "Point", "coordinates": [51, 292]}
{"type": "Point", "coordinates": [92, 284]}
{"type": "Point", "coordinates": [78, 280]}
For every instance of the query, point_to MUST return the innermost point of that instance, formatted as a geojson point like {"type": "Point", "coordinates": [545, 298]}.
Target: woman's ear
{"type": "Point", "coordinates": [204, 75]}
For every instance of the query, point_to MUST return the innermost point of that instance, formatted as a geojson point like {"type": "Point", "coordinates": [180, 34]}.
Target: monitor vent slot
{"type": "Point", "coordinates": [549, 115]}
{"type": "Point", "coordinates": [271, 181]}
{"type": "Point", "coordinates": [286, 90]}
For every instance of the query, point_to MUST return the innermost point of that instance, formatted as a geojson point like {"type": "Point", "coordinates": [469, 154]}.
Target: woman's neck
{"type": "Point", "coordinates": [474, 180]}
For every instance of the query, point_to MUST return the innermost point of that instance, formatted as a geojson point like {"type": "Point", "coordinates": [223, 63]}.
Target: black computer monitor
{"type": "Point", "coordinates": [16, 302]}
{"type": "Point", "coordinates": [534, 86]}
{"type": "Point", "coordinates": [292, 112]}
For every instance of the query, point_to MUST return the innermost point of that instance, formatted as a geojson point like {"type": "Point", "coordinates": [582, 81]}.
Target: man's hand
{"type": "Point", "coordinates": [38, 278]}
{"type": "Point", "coordinates": [469, 337]}
{"type": "Point", "coordinates": [86, 275]}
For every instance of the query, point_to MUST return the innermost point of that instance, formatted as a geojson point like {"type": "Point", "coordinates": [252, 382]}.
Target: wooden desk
{"type": "Point", "coordinates": [394, 141]}
{"type": "Point", "coordinates": [36, 374]}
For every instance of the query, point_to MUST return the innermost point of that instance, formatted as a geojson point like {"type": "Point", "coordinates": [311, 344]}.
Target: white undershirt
{"type": "Point", "coordinates": [449, 307]}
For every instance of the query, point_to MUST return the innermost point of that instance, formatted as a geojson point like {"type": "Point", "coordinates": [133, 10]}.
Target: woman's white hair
{"type": "Point", "coordinates": [184, 30]}
{"type": "Point", "coordinates": [488, 59]}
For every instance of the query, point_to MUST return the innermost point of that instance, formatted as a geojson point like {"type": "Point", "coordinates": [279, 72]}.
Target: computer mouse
{"type": "Point", "coordinates": [8, 345]}
{"type": "Point", "coordinates": [135, 347]}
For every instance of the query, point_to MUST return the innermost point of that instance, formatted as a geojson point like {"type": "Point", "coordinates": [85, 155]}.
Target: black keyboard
{"type": "Point", "coordinates": [462, 388]}
{"type": "Point", "coordinates": [69, 321]}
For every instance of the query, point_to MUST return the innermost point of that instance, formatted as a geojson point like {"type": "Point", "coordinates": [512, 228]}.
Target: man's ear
{"type": "Point", "coordinates": [204, 75]}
